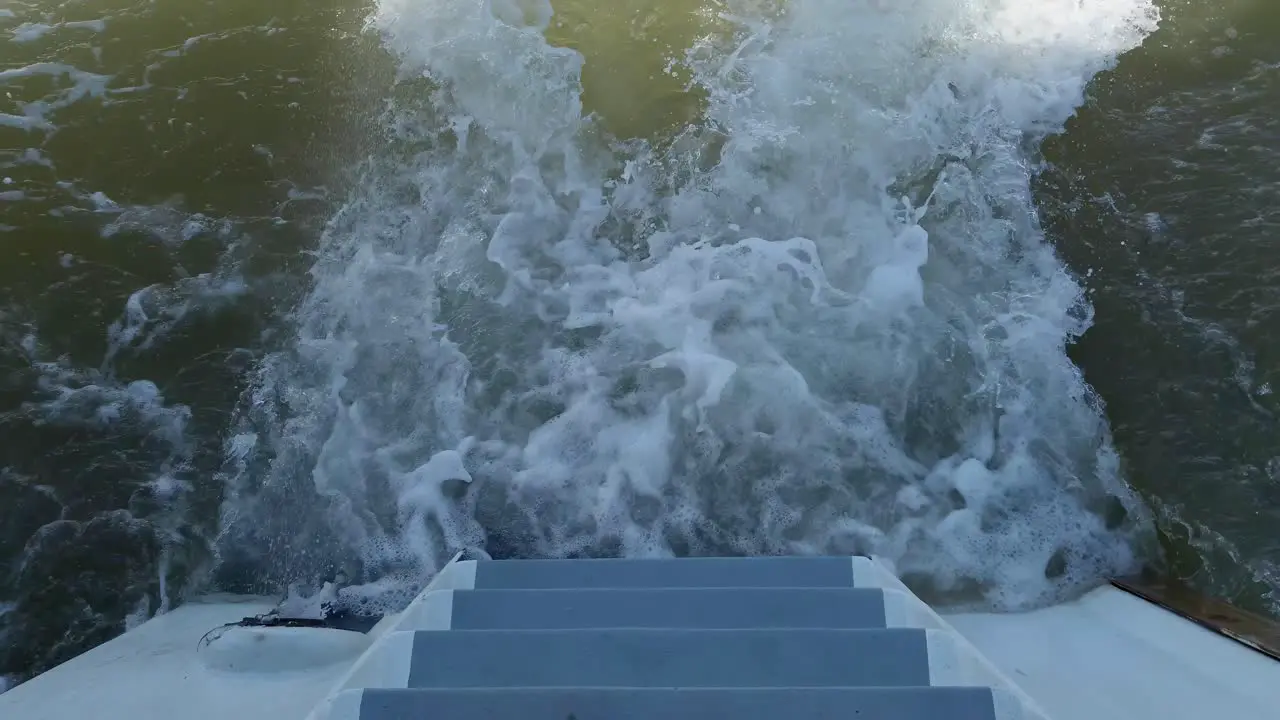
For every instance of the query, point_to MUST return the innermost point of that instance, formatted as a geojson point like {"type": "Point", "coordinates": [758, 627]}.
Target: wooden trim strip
{"type": "Point", "coordinates": [1254, 631]}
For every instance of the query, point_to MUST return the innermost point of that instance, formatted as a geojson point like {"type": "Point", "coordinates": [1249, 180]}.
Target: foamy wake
{"type": "Point", "coordinates": [822, 320]}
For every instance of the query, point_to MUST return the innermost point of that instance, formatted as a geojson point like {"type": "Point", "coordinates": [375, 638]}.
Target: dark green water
{"type": "Point", "coordinates": [183, 188]}
{"type": "Point", "coordinates": [1164, 193]}
{"type": "Point", "coordinates": [193, 178]}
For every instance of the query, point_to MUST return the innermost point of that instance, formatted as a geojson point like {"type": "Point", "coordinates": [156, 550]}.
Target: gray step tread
{"type": "Point", "coordinates": [801, 571]}
{"type": "Point", "coordinates": [933, 703]}
{"type": "Point", "coordinates": [708, 608]}
{"type": "Point", "coordinates": [669, 658]}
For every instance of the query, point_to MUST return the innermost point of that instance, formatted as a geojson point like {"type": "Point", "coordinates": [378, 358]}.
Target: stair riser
{"type": "Point", "coordinates": [670, 658]}
{"type": "Point", "coordinates": [668, 704]}
{"type": "Point", "coordinates": [763, 572]}
{"type": "Point", "coordinates": [699, 608]}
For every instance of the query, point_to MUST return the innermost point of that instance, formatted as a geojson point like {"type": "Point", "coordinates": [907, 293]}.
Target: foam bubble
{"type": "Point", "coordinates": [821, 319]}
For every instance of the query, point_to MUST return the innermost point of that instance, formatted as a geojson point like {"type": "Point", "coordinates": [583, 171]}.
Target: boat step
{"type": "Point", "coordinates": [706, 608]}
{"type": "Point", "coordinates": [785, 638]}
{"type": "Point", "coordinates": [927, 703]}
{"type": "Point", "coordinates": [706, 572]}
{"type": "Point", "coordinates": [895, 657]}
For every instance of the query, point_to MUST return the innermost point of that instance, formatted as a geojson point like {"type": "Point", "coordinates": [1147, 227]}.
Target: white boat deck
{"type": "Point", "coordinates": [1107, 656]}
{"type": "Point", "coordinates": [1111, 655]}
{"type": "Point", "coordinates": [154, 672]}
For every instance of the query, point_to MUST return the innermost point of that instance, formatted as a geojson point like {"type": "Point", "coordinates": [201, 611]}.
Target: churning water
{"type": "Point", "coordinates": [821, 317]}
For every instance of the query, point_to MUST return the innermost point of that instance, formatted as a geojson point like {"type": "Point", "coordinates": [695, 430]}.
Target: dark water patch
{"type": "Point", "coordinates": [1165, 194]}
{"type": "Point", "coordinates": [158, 207]}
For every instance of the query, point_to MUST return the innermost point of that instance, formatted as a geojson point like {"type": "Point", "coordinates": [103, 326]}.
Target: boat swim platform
{"type": "Point", "coordinates": [761, 638]}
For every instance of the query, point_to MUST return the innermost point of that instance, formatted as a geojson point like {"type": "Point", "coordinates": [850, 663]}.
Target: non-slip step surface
{"type": "Point", "coordinates": [667, 573]}
{"type": "Point", "coordinates": [669, 658]}
{"type": "Point", "coordinates": [679, 704]}
{"type": "Point", "coordinates": [706, 608]}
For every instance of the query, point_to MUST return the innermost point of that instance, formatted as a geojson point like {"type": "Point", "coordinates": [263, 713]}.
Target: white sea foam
{"type": "Point", "coordinates": [30, 32]}
{"type": "Point", "coordinates": [823, 319]}
{"type": "Point", "coordinates": [71, 86]}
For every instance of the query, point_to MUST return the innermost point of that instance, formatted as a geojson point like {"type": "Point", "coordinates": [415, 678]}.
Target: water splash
{"type": "Point", "coordinates": [822, 318]}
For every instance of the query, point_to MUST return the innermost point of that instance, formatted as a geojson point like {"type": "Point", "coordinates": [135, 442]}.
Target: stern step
{"type": "Point", "coordinates": [669, 658]}
{"type": "Point", "coordinates": [764, 638]}
{"type": "Point", "coordinates": [694, 608]}
{"type": "Point", "coordinates": [921, 703]}
{"type": "Point", "coordinates": [758, 572]}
